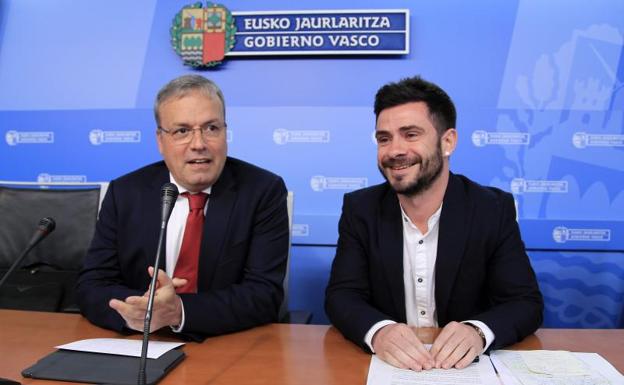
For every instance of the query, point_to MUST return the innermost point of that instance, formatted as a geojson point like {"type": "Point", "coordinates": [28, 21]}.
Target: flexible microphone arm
{"type": "Point", "coordinates": [45, 227]}
{"type": "Point", "coordinates": [168, 196]}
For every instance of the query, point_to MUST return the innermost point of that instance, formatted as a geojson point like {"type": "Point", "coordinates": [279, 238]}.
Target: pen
{"type": "Point", "coordinates": [494, 366]}
{"type": "Point", "coordinates": [496, 371]}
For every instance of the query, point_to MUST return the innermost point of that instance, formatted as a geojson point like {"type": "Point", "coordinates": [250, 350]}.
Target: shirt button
{"type": "Point", "coordinates": [420, 280]}
{"type": "Point", "coordinates": [422, 312]}
{"type": "Point", "coordinates": [420, 242]}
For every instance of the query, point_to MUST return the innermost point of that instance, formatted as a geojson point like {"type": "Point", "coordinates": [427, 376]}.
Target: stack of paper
{"type": "Point", "coordinates": [544, 367]}
{"type": "Point", "coordinates": [535, 367]}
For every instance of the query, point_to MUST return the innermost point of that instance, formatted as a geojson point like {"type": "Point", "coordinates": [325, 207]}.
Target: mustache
{"type": "Point", "coordinates": [401, 161]}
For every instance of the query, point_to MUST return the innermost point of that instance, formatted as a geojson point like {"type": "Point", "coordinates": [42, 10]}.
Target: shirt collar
{"type": "Point", "coordinates": [431, 222]}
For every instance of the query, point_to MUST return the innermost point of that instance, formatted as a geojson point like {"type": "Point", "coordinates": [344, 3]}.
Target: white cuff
{"type": "Point", "coordinates": [489, 334]}
{"type": "Point", "coordinates": [368, 338]}
{"type": "Point", "coordinates": [178, 328]}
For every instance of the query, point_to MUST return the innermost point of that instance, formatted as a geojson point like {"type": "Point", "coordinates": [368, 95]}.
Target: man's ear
{"type": "Point", "coordinates": [159, 138]}
{"type": "Point", "coordinates": [449, 141]}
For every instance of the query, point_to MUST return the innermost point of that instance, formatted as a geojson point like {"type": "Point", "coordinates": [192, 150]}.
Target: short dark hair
{"type": "Point", "coordinates": [416, 89]}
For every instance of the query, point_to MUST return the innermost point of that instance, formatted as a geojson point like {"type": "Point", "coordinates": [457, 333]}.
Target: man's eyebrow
{"type": "Point", "coordinates": [381, 131]}
{"type": "Point", "coordinates": [411, 127]}
{"type": "Point", "coordinates": [184, 124]}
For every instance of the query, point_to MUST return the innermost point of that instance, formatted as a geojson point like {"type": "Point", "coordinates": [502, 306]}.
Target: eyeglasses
{"type": "Point", "coordinates": [184, 135]}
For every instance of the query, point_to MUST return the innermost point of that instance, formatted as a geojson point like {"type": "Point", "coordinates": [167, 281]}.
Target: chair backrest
{"type": "Point", "coordinates": [289, 204]}
{"type": "Point", "coordinates": [58, 258]}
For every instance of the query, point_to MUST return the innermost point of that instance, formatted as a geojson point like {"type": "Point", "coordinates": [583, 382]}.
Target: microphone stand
{"type": "Point", "coordinates": [169, 194]}
{"type": "Point", "coordinates": [150, 306]}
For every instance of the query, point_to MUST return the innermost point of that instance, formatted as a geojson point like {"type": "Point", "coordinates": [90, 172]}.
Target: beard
{"type": "Point", "coordinates": [430, 170]}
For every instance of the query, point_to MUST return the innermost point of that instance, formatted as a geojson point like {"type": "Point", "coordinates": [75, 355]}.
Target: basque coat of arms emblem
{"type": "Point", "coordinates": [202, 36]}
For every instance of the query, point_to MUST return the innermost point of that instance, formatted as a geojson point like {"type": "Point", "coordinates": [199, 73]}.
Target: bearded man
{"type": "Point", "coordinates": [428, 248]}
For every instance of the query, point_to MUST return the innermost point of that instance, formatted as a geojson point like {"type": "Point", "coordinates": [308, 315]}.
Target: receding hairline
{"type": "Point", "coordinates": [184, 86]}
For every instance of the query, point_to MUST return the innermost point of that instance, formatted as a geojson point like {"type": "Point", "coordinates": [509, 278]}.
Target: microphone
{"type": "Point", "coordinates": [168, 196]}
{"type": "Point", "coordinates": [45, 227]}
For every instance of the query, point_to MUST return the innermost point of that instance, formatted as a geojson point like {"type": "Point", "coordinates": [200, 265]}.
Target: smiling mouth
{"type": "Point", "coordinates": [398, 167]}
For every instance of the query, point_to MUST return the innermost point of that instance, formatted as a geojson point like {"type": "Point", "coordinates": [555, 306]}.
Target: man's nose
{"type": "Point", "coordinates": [197, 139]}
{"type": "Point", "coordinates": [397, 147]}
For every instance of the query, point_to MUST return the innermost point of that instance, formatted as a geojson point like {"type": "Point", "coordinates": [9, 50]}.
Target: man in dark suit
{"type": "Point", "coordinates": [227, 237]}
{"type": "Point", "coordinates": [428, 248]}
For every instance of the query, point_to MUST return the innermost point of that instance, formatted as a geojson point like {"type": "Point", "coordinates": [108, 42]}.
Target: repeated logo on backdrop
{"type": "Point", "coordinates": [562, 234]}
{"type": "Point", "coordinates": [320, 183]}
{"type": "Point", "coordinates": [13, 138]}
{"type": "Point", "coordinates": [523, 186]}
{"type": "Point", "coordinates": [583, 140]}
{"type": "Point", "coordinates": [98, 137]}
{"type": "Point", "coordinates": [482, 138]}
{"type": "Point", "coordinates": [282, 136]}
{"type": "Point", "coordinates": [55, 178]}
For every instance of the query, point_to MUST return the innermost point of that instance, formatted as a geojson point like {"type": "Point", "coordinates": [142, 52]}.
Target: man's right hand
{"type": "Point", "coordinates": [167, 308]}
{"type": "Point", "coordinates": [398, 345]}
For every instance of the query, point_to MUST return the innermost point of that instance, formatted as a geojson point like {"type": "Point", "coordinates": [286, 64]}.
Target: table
{"type": "Point", "coordinates": [273, 354]}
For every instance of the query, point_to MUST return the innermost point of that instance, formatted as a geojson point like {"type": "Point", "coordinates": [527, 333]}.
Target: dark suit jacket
{"type": "Point", "coordinates": [243, 251]}
{"type": "Point", "coordinates": [482, 271]}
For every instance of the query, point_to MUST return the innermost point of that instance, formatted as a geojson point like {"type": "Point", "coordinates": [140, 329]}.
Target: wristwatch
{"type": "Point", "coordinates": [479, 332]}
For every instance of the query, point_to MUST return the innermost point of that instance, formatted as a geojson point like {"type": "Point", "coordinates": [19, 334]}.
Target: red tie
{"type": "Point", "coordinates": [188, 259]}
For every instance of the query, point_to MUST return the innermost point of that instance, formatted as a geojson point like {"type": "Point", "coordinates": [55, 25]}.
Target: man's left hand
{"type": "Point", "coordinates": [167, 309]}
{"type": "Point", "coordinates": [456, 346]}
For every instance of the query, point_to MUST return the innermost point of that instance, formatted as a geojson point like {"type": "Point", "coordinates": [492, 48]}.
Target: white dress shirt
{"type": "Point", "coordinates": [419, 257]}
{"type": "Point", "coordinates": [175, 234]}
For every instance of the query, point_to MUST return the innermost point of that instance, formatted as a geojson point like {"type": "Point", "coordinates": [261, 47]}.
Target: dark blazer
{"type": "Point", "coordinates": [243, 251]}
{"type": "Point", "coordinates": [482, 271]}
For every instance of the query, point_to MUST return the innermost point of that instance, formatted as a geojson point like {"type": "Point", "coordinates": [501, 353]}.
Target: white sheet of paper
{"type": "Point", "coordinates": [120, 347]}
{"type": "Point", "coordinates": [554, 362]}
{"type": "Point", "coordinates": [381, 373]}
{"type": "Point", "coordinates": [604, 367]}
{"type": "Point", "coordinates": [514, 371]}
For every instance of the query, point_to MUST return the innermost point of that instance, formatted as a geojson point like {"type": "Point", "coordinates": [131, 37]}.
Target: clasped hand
{"type": "Point", "coordinates": [456, 346]}
{"type": "Point", "coordinates": [167, 308]}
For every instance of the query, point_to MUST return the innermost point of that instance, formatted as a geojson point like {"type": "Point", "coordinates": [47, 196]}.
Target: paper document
{"type": "Point", "coordinates": [541, 367]}
{"type": "Point", "coordinates": [381, 373]}
{"type": "Point", "coordinates": [121, 347]}
{"type": "Point", "coordinates": [554, 363]}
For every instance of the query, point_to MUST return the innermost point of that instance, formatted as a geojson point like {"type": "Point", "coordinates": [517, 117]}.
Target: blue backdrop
{"type": "Point", "coordinates": [539, 89]}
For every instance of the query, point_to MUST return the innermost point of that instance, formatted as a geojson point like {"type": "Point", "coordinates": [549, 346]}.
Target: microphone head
{"type": "Point", "coordinates": [46, 225]}
{"type": "Point", "coordinates": [168, 196]}
{"type": "Point", "coordinates": [169, 192]}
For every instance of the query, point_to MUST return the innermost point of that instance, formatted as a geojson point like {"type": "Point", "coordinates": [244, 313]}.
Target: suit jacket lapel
{"type": "Point", "coordinates": [391, 249]}
{"type": "Point", "coordinates": [453, 232]}
{"type": "Point", "coordinates": [220, 206]}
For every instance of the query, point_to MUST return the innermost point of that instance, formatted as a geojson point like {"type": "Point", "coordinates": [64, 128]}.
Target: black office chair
{"type": "Point", "coordinates": [46, 278]}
